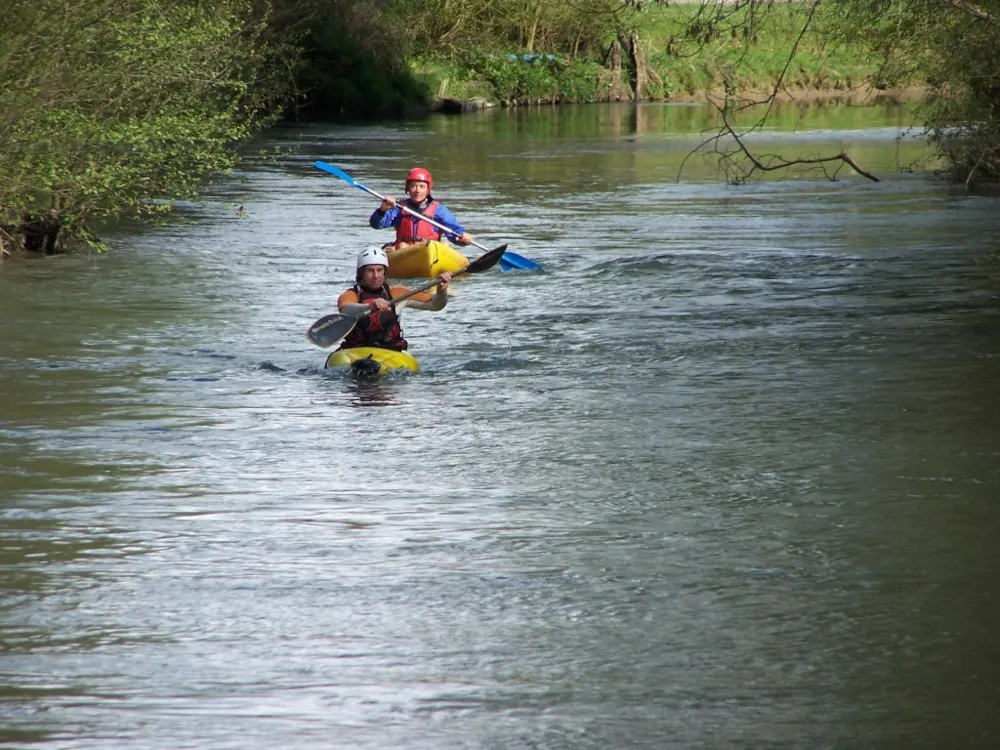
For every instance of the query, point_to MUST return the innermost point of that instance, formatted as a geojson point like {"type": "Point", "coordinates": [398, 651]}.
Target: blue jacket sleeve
{"type": "Point", "coordinates": [446, 217]}
{"type": "Point", "coordinates": [380, 220]}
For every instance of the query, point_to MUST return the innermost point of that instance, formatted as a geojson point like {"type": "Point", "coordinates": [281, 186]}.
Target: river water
{"type": "Point", "coordinates": [726, 474]}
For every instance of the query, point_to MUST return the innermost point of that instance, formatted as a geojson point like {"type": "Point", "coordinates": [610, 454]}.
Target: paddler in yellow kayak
{"type": "Point", "coordinates": [410, 229]}
{"type": "Point", "coordinates": [372, 294]}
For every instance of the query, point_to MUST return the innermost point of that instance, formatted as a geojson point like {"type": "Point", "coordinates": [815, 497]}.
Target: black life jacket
{"type": "Point", "coordinates": [379, 329]}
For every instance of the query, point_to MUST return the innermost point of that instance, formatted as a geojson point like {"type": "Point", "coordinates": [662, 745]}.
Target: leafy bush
{"type": "Point", "coordinates": [120, 108]}
{"type": "Point", "coordinates": [521, 78]}
{"type": "Point", "coordinates": [342, 80]}
{"type": "Point", "coordinates": [578, 81]}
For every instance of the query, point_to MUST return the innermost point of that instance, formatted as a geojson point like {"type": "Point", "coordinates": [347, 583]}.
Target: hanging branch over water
{"type": "Point", "coordinates": [734, 161]}
{"type": "Point", "coordinates": [982, 15]}
{"type": "Point", "coordinates": [737, 172]}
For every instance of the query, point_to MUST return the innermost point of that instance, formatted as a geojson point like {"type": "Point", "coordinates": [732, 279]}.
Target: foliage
{"type": "Point", "coordinates": [445, 77]}
{"type": "Point", "coordinates": [741, 47]}
{"type": "Point", "coordinates": [690, 48]}
{"type": "Point", "coordinates": [355, 62]}
{"type": "Point", "coordinates": [579, 81]}
{"type": "Point", "coordinates": [955, 48]}
{"type": "Point", "coordinates": [342, 79]}
{"type": "Point", "coordinates": [453, 27]}
{"type": "Point", "coordinates": [120, 107]}
{"type": "Point", "coordinates": [951, 46]}
{"type": "Point", "coordinates": [512, 77]}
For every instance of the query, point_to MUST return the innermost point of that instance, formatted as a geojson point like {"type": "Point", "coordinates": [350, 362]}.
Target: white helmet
{"type": "Point", "coordinates": [373, 256]}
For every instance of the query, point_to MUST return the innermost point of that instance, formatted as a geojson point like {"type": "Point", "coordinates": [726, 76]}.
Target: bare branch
{"type": "Point", "coordinates": [779, 162]}
{"type": "Point", "coordinates": [737, 170]}
{"type": "Point", "coordinates": [982, 15]}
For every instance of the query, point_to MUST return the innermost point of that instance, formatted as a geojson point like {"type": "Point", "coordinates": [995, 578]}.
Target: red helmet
{"type": "Point", "coordinates": [419, 174]}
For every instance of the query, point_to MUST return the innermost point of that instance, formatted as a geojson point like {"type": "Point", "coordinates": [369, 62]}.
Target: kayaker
{"type": "Point", "coordinates": [380, 327]}
{"type": "Point", "coordinates": [409, 228]}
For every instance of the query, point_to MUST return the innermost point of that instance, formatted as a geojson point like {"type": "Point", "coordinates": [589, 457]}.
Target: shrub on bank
{"type": "Point", "coordinates": [517, 78]}
{"type": "Point", "coordinates": [579, 81]}
{"type": "Point", "coordinates": [514, 78]}
{"type": "Point", "coordinates": [677, 66]}
{"type": "Point", "coordinates": [341, 79]}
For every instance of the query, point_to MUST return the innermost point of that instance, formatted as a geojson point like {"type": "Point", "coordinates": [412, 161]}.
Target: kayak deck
{"type": "Point", "coordinates": [372, 361]}
{"type": "Point", "coordinates": [424, 260]}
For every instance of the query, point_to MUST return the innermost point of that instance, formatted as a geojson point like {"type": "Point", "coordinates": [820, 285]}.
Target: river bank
{"type": "Point", "coordinates": [861, 96]}
{"type": "Point", "coordinates": [658, 58]}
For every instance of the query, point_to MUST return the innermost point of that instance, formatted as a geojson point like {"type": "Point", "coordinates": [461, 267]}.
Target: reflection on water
{"type": "Point", "coordinates": [723, 475]}
{"type": "Point", "coordinates": [613, 121]}
{"type": "Point", "coordinates": [370, 391]}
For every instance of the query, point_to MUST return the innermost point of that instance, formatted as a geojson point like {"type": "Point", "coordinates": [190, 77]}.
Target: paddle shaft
{"type": "Point", "coordinates": [342, 323]}
{"type": "Point", "coordinates": [411, 212]}
{"type": "Point", "coordinates": [510, 260]}
{"type": "Point", "coordinates": [418, 289]}
{"type": "Point", "coordinates": [330, 329]}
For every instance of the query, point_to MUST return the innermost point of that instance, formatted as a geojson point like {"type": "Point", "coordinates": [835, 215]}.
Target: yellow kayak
{"type": "Point", "coordinates": [371, 360]}
{"type": "Point", "coordinates": [424, 260]}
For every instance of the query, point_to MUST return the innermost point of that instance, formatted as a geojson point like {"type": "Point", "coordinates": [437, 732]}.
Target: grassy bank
{"type": "Point", "coordinates": [678, 69]}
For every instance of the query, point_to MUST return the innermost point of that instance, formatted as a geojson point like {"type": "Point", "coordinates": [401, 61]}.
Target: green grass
{"type": "Point", "coordinates": [734, 63]}
{"type": "Point", "coordinates": [729, 62]}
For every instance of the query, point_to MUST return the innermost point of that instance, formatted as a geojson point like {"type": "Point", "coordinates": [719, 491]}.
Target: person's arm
{"type": "Point", "coordinates": [446, 217]}
{"type": "Point", "coordinates": [425, 300]}
{"type": "Point", "coordinates": [384, 218]}
{"type": "Point", "coordinates": [348, 303]}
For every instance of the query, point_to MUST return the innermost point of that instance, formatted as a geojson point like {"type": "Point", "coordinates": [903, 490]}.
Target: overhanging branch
{"type": "Point", "coordinates": [740, 162]}
{"type": "Point", "coordinates": [780, 162]}
{"type": "Point", "coordinates": [982, 15]}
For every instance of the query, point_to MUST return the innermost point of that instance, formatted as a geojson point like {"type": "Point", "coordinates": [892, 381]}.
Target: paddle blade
{"type": "Point", "coordinates": [486, 260]}
{"type": "Point", "coordinates": [330, 329]}
{"type": "Point", "coordinates": [335, 172]}
{"type": "Point", "coordinates": [513, 260]}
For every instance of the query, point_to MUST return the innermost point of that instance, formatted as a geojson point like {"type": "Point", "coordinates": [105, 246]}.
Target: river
{"type": "Point", "coordinates": [726, 474]}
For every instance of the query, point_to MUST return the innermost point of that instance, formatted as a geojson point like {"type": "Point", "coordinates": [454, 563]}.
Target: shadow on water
{"type": "Point", "coordinates": [361, 390]}
{"type": "Point", "coordinates": [372, 392]}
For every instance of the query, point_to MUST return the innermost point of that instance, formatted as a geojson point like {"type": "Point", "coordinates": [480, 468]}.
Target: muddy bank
{"type": "Point", "coordinates": [860, 97]}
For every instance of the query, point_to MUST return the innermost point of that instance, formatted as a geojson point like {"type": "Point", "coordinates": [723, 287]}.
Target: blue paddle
{"type": "Point", "coordinates": [508, 262]}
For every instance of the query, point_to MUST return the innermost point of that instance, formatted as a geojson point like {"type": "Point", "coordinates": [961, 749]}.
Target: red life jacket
{"type": "Point", "coordinates": [379, 329]}
{"type": "Point", "coordinates": [412, 229]}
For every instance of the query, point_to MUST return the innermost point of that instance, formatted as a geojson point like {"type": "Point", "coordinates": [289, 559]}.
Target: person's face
{"type": "Point", "coordinates": [417, 190]}
{"type": "Point", "coordinates": [373, 277]}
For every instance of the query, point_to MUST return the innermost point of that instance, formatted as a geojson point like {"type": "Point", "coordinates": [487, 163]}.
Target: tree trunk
{"type": "Point", "coordinates": [532, 31]}
{"type": "Point", "coordinates": [41, 233]}
{"type": "Point", "coordinates": [618, 88]}
{"type": "Point", "coordinates": [7, 242]}
{"type": "Point", "coordinates": [638, 58]}
{"type": "Point", "coordinates": [636, 64]}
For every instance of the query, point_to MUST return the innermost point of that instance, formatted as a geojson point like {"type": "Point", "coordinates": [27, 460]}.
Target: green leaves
{"type": "Point", "coordinates": [953, 47]}
{"type": "Point", "coordinates": [120, 107]}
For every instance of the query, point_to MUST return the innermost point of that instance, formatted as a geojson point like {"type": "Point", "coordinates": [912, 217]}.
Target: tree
{"type": "Point", "coordinates": [121, 107]}
{"type": "Point", "coordinates": [951, 46]}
